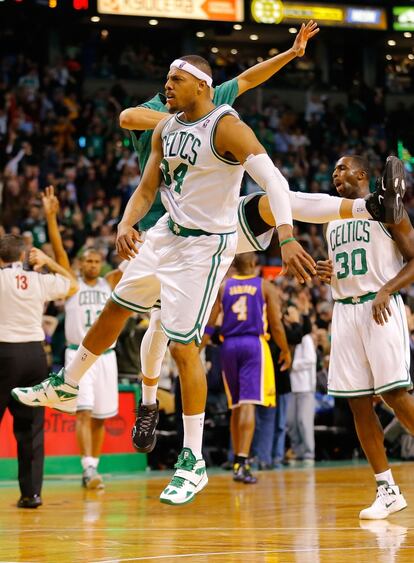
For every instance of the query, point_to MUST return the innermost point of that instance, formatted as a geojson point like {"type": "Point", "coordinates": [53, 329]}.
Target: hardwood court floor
{"type": "Point", "coordinates": [293, 515]}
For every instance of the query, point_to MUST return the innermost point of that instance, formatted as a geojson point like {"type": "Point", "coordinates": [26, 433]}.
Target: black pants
{"type": "Point", "coordinates": [23, 365]}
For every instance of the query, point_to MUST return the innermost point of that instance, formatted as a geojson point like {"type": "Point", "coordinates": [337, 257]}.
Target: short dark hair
{"type": "Point", "coordinates": [199, 62]}
{"type": "Point", "coordinates": [244, 261]}
{"type": "Point", "coordinates": [361, 163]}
{"type": "Point", "coordinates": [11, 247]}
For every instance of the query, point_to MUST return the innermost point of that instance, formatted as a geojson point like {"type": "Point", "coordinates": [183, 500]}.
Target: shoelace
{"type": "Point", "coordinates": [54, 381]}
{"type": "Point", "coordinates": [383, 492]}
{"type": "Point", "coordinates": [145, 422]}
{"type": "Point", "coordinates": [185, 464]}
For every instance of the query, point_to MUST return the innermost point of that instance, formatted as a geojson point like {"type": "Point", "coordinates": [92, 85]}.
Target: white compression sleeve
{"type": "Point", "coordinates": [153, 347]}
{"type": "Point", "coordinates": [265, 173]}
{"type": "Point", "coordinates": [314, 208]}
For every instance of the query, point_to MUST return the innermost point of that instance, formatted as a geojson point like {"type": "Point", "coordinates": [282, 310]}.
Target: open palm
{"type": "Point", "coordinates": [306, 32]}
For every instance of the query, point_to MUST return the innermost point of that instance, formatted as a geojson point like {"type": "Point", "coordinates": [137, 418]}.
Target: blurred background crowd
{"type": "Point", "coordinates": [59, 126]}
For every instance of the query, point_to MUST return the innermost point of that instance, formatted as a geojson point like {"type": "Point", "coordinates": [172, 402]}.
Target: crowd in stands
{"type": "Point", "coordinates": [53, 131]}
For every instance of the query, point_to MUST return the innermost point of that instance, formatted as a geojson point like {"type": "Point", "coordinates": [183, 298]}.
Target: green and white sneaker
{"type": "Point", "coordinates": [189, 479]}
{"type": "Point", "coordinates": [52, 392]}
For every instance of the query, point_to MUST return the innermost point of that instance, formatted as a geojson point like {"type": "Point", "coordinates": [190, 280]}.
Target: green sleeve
{"type": "Point", "coordinates": [226, 93]}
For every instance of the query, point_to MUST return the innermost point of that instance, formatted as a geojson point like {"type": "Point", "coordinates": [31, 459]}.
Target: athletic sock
{"type": "Point", "coordinates": [359, 209]}
{"type": "Point", "coordinates": [80, 363]}
{"type": "Point", "coordinates": [385, 476]}
{"type": "Point", "coordinates": [149, 394]}
{"type": "Point", "coordinates": [193, 433]}
{"type": "Point", "coordinates": [87, 461]}
{"type": "Point", "coordinates": [315, 208]}
{"type": "Point", "coordinates": [95, 462]}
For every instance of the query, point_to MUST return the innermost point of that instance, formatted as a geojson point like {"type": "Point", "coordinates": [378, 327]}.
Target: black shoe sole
{"type": "Point", "coordinates": [394, 185]}
{"type": "Point", "coordinates": [146, 449]}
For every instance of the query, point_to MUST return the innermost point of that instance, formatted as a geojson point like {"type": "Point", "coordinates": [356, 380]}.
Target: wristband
{"type": "Point", "coordinates": [291, 239]}
{"type": "Point", "coordinates": [209, 330]}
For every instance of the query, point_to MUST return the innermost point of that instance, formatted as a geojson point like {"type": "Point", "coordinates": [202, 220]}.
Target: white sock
{"type": "Point", "coordinates": [193, 433]}
{"type": "Point", "coordinates": [94, 462]}
{"type": "Point", "coordinates": [81, 362]}
{"type": "Point", "coordinates": [359, 209]}
{"type": "Point", "coordinates": [149, 394]}
{"type": "Point", "coordinates": [87, 461]}
{"type": "Point", "coordinates": [385, 476]}
{"type": "Point", "coordinates": [315, 208]}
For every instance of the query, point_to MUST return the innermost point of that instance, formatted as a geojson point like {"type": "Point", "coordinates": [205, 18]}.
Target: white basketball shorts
{"type": "Point", "coordinates": [367, 358]}
{"type": "Point", "coordinates": [247, 240]}
{"type": "Point", "coordinates": [185, 271]}
{"type": "Point", "coordinates": [98, 388]}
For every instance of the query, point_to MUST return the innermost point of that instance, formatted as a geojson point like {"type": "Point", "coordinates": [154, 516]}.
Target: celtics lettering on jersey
{"type": "Point", "coordinates": [83, 308]}
{"type": "Point", "coordinates": [364, 257]}
{"type": "Point", "coordinates": [201, 187]}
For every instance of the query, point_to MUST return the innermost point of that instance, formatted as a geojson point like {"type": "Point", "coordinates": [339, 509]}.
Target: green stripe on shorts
{"type": "Point", "coordinates": [195, 333]}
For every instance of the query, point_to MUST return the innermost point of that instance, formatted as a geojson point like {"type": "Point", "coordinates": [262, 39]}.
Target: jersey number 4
{"type": "Point", "coordinates": [21, 281]}
{"type": "Point", "coordinates": [240, 308]}
{"type": "Point", "coordinates": [177, 177]}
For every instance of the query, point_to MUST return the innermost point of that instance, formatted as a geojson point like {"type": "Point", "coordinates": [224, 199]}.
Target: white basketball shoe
{"type": "Point", "coordinates": [189, 479]}
{"type": "Point", "coordinates": [388, 500]}
{"type": "Point", "coordinates": [52, 392]}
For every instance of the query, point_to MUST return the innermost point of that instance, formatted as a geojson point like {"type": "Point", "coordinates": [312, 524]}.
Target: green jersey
{"type": "Point", "coordinates": [225, 93]}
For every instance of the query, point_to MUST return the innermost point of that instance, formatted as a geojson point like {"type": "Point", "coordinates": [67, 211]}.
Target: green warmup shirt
{"type": "Point", "coordinates": [225, 93]}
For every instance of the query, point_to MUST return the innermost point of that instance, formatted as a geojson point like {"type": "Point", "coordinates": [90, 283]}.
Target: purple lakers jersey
{"type": "Point", "coordinates": [244, 308]}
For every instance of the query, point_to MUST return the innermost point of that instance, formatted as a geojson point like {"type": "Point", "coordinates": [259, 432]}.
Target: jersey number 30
{"type": "Point", "coordinates": [358, 263]}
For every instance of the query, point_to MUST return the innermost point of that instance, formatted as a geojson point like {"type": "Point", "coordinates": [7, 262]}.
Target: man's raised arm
{"type": "Point", "coordinates": [261, 72]}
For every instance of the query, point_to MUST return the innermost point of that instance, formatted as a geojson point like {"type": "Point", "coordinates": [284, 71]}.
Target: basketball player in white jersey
{"type": "Point", "coordinates": [186, 255]}
{"type": "Point", "coordinates": [98, 390]}
{"type": "Point", "coordinates": [368, 264]}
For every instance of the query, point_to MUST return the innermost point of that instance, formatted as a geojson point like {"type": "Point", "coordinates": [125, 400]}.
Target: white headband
{"type": "Point", "coordinates": [191, 69]}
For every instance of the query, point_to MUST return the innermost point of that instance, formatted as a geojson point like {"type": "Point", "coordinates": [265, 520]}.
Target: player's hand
{"type": "Point", "coordinates": [306, 32]}
{"type": "Point", "coordinates": [297, 262]}
{"type": "Point", "coordinates": [381, 310]}
{"type": "Point", "coordinates": [38, 259]}
{"type": "Point", "coordinates": [50, 201]}
{"type": "Point", "coordinates": [324, 270]}
{"type": "Point", "coordinates": [126, 240]}
{"type": "Point", "coordinates": [285, 359]}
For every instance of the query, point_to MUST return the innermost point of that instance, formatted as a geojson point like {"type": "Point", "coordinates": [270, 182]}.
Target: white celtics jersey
{"type": "Point", "coordinates": [83, 308]}
{"type": "Point", "coordinates": [201, 188]}
{"type": "Point", "coordinates": [364, 257]}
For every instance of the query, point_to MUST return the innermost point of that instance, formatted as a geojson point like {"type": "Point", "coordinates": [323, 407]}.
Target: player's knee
{"type": "Point", "coordinates": [83, 416]}
{"type": "Point", "coordinates": [182, 353]}
{"type": "Point", "coordinates": [395, 398]}
{"type": "Point", "coordinates": [361, 406]}
{"type": "Point", "coordinates": [113, 311]}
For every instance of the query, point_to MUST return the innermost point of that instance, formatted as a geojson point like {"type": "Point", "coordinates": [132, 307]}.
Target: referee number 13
{"type": "Point", "coordinates": [21, 281]}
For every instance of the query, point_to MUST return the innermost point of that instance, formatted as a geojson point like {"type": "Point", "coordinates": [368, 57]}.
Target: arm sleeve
{"type": "Point", "coordinates": [264, 172]}
{"type": "Point", "coordinates": [54, 286]}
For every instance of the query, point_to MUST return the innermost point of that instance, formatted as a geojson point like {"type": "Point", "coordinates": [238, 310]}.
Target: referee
{"type": "Point", "coordinates": [22, 358]}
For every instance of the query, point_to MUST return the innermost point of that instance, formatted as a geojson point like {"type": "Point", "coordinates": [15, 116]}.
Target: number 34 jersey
{"type": "Point", "coordinates": [83, 308]}
{"type": "Point", "coordinates": [364, 257]}
{"type": "Point", "coordinates": [201, 188]}
{"type": "Point", "coordinates": [244, 307]}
